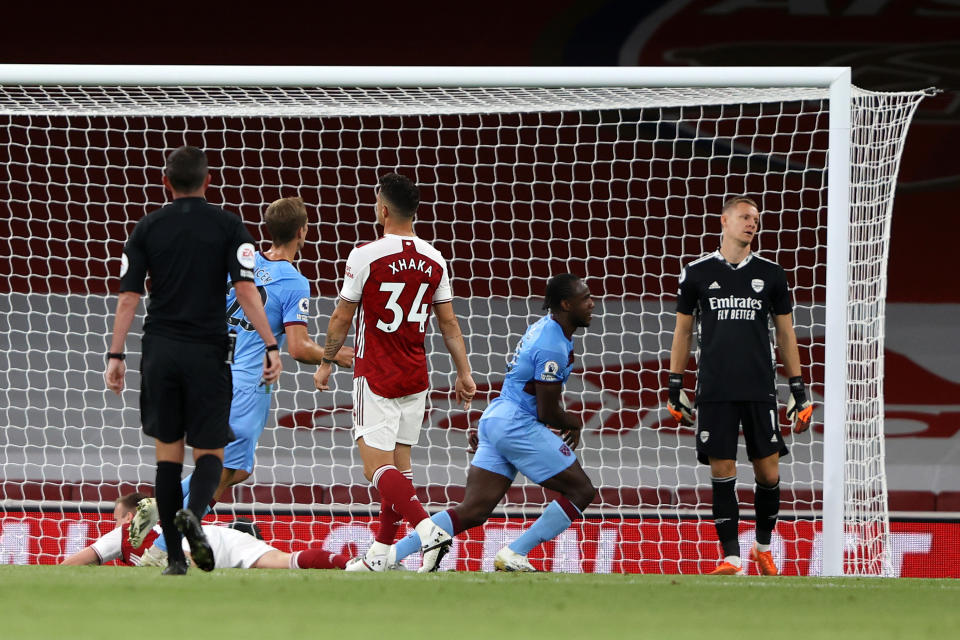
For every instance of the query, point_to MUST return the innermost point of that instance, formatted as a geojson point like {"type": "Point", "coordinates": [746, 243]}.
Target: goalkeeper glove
{"type": "Point", "coordinates": [799, 409]}
{"type": "Point", "coordinates": [153, 557]}
{"type": "Point", "coordinates": [678, 404]}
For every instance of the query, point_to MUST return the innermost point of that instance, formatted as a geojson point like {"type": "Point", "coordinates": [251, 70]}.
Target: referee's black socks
{"type": "Point", "coordinates": [726, 514]}
{"type": "Point", "coordinates": [169, 496]}
{"type": "Point", "coordinates": [204, 482]}
{"type": "Point", "coordinates": [766, 502]}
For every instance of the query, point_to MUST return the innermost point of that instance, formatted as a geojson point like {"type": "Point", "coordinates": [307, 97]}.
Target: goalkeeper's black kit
{"type": "Point", "coordinates": [189, 248]}
{"type": "Point", "coordinates": [732, 305]}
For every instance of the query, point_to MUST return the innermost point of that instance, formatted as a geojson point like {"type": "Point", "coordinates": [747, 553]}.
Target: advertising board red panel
{"type": "Point", "coordinates": [917, 549]}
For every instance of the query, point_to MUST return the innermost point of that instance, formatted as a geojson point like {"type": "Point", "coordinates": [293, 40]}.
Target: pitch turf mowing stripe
{"type": "Point", "coordinates": [119, 602]}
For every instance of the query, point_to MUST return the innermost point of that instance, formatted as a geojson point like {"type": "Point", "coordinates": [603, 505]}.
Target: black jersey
{"type": "Point", "coordinates": [188, 247]}
{"type": "Point", "coordinates": [732, 305]}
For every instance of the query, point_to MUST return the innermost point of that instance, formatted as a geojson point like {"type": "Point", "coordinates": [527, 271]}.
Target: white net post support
{"type": "Point", "coordinates": [835, 366]}
{"type": "Point", "coordinates": [615, 173]}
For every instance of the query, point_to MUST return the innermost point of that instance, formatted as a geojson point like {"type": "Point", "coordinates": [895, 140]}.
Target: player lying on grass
{"type": "Point", "coordinates": [232, 549]}
{"type": "Point", "coordinates": [286, 301]}
{"type": "Point", "coordinates": [515, 435]}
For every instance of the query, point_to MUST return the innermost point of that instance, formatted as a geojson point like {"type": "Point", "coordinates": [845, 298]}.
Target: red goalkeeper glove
{"type": "Point", "coordinates": [678, 404]}
{"type": "Point", "coordinates": [799, 409]}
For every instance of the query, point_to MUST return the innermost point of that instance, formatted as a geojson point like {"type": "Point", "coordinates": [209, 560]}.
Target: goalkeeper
{"type": "Point", "coordinates": [733, 293]}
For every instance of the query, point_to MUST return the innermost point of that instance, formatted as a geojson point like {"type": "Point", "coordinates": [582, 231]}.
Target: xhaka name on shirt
{"type": "Point", "coordinates": [401, 264]}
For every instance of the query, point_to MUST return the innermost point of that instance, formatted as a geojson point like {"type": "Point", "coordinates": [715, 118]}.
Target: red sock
{"type": "Point", "coordinates": [397, 491]}
{"type": "Point", "coordinates": [390, 521]}
{"type": "Point", "coordinates": [319, 559]}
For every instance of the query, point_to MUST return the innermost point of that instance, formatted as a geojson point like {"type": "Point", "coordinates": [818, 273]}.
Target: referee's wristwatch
{"type": "Point", "coordinates": [116, 356]}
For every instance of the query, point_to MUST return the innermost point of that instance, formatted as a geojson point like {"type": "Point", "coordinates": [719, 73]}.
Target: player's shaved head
{"type": "Point", "coordinates": [284, 218]}
{"type": "Point", "coordinates": [400, 194]}
{"type": "Point", "coordinates": [559, 288]}
{"type": "Point", "coordinates": [186, 169]}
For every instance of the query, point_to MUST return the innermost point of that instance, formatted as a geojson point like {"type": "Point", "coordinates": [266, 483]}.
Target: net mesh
{"type": "Point", "coordinates": [620, 185]}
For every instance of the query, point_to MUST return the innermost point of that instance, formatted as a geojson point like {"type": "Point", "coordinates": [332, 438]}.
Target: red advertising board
{"type": "Point", "coordinates": [917, 549]}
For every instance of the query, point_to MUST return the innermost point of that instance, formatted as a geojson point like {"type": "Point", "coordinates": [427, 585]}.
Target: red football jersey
{"type": "Point", "coordinates": [396, 280]}
{"type": "Point", "coordinates": [114, 546]}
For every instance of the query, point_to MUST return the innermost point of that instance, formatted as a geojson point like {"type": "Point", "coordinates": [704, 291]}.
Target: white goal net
{"type": "Point", "coordinates": [619, 185]}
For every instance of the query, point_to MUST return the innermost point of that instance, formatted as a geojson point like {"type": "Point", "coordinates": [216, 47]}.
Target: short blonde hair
{"type": "Point", "coordinates": [734, 201]}
{"type": "Point", "coordinates": [284, 218]}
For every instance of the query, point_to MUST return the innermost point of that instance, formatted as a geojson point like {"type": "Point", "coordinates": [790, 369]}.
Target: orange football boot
{"type": "Point", "coordinates": [764, 560]}
{"type": "Point", "coordinates": [726, 569]}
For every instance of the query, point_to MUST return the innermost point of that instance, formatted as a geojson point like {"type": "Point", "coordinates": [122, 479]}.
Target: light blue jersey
{"type": "Point", "coordinates": [512, 438]}
{"type": "Point", "coordinates": [286, 299]}
{"type": "Point", "coordinates": [544, 354]}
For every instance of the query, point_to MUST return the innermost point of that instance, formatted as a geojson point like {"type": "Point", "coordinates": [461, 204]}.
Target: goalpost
{"type": "Point", "coordinates": [616, 174]}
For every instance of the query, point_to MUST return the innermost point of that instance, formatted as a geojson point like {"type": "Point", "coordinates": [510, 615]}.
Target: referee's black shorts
{"type": "Point", "coordinates": [719, 423]}
{"type": "Point", "coordinates": [185, 391]}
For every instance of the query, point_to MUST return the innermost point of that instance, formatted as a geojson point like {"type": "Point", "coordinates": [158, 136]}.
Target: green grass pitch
{"type": "Point", "coordinates": [121, 602]}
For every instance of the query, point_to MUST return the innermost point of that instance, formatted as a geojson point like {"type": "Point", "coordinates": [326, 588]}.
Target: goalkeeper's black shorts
{"type": "Point", "coordinates": [185, 391]}
{"type": "Point", "coordinates": [719, 423]}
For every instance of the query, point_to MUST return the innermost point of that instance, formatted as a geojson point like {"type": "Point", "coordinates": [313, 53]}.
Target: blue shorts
{"type": "Point", "coordinates": [249, 411]}
{"type": "Point", "coordinates": [521, 443]}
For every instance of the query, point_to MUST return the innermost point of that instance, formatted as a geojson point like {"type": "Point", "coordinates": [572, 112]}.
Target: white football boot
{"type": "Point", "coordinates": [434, 545]}
{"type": "Point", "coordinates": [509, 560]}
{"type": "Point", "coordinates": [392, 563]}
{"type": "Point", "coordinates": [375, 559]}
{"type": "Point", "coordinates": [146, 517]}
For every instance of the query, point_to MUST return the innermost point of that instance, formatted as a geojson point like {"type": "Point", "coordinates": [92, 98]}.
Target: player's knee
{"type": "Point", "coordinates": [768, 477]}
{"type": "Point", "coordinates": [720, 468]}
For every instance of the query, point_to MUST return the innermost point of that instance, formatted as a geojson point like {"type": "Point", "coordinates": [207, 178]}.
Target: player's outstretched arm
{"type": "Point", "coordinates": [677, 403]}
{"type": "Point", "coordinates": [799, 408]}
{"type": "Point", "coordinates": [252, 305]}
{"type": "Point", "coordinates": [303, 349]}
{"type": "Point", "coordinates": [337, 330]}
{"type": "Point", "coordinates": [550, 411]}
{"type": "Point", "coordinates": [127, 303]}
{"type": "Point", "coordinates": [83, 557]}
{"type": "Point", "coordinates": [453, 339]}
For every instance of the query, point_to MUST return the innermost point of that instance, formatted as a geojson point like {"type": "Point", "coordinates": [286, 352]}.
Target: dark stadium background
{"type": "Point", "coordinates": [891, 45]}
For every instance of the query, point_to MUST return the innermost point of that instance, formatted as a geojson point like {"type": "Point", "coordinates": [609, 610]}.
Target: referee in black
{"type": "Point", "coordinates": [733, 294]}
{"type": "Point", "coordinates": [189, 248]}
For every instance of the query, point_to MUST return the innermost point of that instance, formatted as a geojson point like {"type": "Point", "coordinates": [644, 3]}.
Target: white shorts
{"type": "Point", "coordinates": [232, 549]}
{"type": "Point", "coordinates": [383, 423]}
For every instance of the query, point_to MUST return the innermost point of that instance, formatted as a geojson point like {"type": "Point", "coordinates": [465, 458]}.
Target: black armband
{"type": "Point", "coordinates": [273, 347]}
{"type": "Point", "coordinates": [117, 356]}
{"type": "Point", "coordinates": [326, 360]}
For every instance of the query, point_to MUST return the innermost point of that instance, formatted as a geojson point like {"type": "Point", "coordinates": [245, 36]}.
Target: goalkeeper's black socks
{"type": "Point", "coordinates": [169, 496]}
{"type": "Point", "coordinates": [726, 514]}
{"type": "Point", "coordinates": [766, 502]}
{"type": "Point", "coordinates": [204, 482]}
